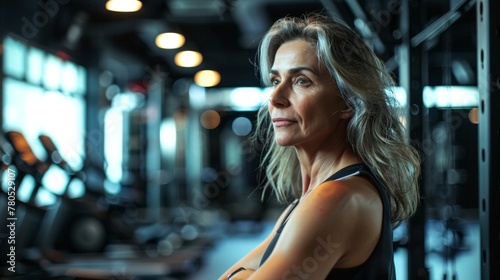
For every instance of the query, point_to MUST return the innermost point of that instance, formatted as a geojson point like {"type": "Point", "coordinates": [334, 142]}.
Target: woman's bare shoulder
{"type": "Point", "coordinates": [351, 210]}
{"type": "Point", "coordinates": [355, 191]}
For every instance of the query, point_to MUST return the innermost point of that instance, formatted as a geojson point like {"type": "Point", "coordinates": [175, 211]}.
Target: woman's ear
{"type": "Point", "coordinates": [346, 114]}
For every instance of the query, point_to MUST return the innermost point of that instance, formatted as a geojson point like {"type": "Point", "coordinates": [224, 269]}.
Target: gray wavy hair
{"type": "Point", "coordinates": [375, 131]}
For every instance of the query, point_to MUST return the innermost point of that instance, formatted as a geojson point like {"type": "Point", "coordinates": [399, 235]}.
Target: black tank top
{"type": "Point", "coordinates": [380, 264]}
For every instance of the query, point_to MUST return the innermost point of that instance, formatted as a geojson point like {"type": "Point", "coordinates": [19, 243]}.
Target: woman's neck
{"type": "Point", "coordinates": [317, 167]}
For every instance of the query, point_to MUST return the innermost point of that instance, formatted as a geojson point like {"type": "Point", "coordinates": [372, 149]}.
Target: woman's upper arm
{"type": "Point", "coordinates": [316, 237]}
{"type": "Point", "coordinates": [253, 258]}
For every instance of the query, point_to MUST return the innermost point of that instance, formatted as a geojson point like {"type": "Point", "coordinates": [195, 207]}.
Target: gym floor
{"type": "Point", "coordinates": [465, 266]}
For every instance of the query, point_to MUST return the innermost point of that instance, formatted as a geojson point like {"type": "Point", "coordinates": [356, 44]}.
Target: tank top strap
{"type": "Point", "coordinates": [364, 170]}
{"type": "Point", "coordinates": [273, 242]}
{"type": "Point", "coordinates": [287, 216]}
{"type": "Point", "coordinates": [348, 171]}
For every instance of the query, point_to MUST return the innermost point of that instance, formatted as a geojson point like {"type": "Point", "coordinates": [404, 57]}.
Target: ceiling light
{"type": "Point", "coordinates": [188, 59]}
{"type": "Point", "coordinates": [123, 5]}
{"type": "Point", "coordinates": [169, 40]}
{"type": "Point", "coordinates": [207, 78]}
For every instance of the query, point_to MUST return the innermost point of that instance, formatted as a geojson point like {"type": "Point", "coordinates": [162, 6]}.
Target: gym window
{"type": "Point", "coordinates": [45, 94]}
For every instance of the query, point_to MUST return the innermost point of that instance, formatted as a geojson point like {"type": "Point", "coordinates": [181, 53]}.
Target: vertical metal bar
{"type": "Point", "coordinates": [2, 76]}
{"type": "Point", "coordinates": [415, 77]}
{"type": "Point", "coordinates": [488, 57]}
{"type": "Point", "coordinates": [194, 153]}
{"type": "Point", "coordinates": [153, 156]}
{"type": "Point", "coordinates": [94, 128]}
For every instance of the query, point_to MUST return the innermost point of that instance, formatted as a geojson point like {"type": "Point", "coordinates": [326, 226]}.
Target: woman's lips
{"type": "Point", "coordinates": [279, 122]}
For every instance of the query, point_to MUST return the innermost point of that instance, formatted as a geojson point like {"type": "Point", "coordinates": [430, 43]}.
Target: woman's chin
{"type": "Point", "coordinates": [284, 142]}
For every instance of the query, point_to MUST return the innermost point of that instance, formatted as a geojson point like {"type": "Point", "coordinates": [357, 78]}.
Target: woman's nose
{"type": "Point", "coordinates": [279, 97]}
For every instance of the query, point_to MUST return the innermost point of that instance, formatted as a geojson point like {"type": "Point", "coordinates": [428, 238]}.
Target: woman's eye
{"type": "Point", "coordinates": [274, 82]}
{"type": "Point", "coordinates": [302, 81]}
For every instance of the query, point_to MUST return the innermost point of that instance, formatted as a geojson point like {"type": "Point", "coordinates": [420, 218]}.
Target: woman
{"type": "Point", "coordinates": [336, 149]}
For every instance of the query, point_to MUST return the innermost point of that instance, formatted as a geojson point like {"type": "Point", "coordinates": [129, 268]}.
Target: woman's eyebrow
{"type": "Point", "coordinates": [295, 70]}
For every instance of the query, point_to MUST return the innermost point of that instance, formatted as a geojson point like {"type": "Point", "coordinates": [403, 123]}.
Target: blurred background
{"type": "Point", "coordinates": [125, 133]}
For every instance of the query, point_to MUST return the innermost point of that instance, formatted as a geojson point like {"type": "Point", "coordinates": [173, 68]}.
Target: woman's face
{"type": "Point", "coordinates": [304, 104]}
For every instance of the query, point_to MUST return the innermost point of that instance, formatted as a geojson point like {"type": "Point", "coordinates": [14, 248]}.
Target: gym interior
{"type": "Point", "coordinates": [125, 144]}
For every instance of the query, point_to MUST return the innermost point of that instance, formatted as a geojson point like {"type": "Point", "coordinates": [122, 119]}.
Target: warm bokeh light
{"type": "Point", "coordinates": [210, 119]}
{"type": "Point", "coordinates": [123, 6]}
{"type": "Point", "coordinates": [207, 78]}
{"type": "Point", "coordinates": [473, 115]}
{"type": "Point", "coordinates": [170, 40]}
{"type": "Point", "coordinates": [188, 59]}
